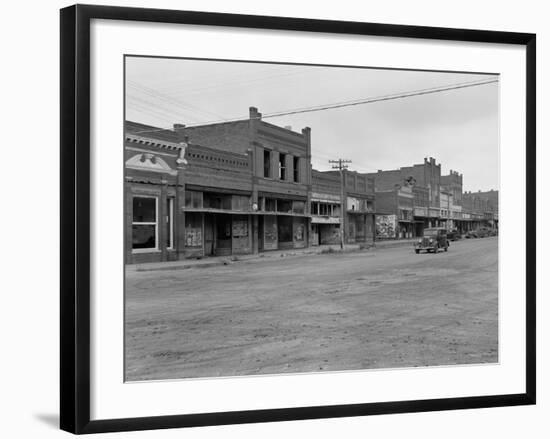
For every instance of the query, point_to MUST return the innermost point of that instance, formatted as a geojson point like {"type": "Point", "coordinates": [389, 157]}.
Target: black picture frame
{"type": "Point", "coordinates": [75, 217]}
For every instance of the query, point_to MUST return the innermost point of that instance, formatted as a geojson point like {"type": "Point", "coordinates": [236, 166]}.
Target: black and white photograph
{"type": "Point", "coordinates": [297, 218]}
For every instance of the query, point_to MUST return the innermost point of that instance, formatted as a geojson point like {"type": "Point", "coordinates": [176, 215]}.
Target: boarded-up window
{"type": "Point", "coordinates": [240, 228]}
{"type": "Point", "coordinates": [193, 230]}
{"type": "Point", "coordinates": [299, 229]}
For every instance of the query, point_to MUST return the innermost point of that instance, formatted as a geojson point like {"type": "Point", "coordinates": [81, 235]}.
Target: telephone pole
{"type": "Point", "coordinates": [340, 164]}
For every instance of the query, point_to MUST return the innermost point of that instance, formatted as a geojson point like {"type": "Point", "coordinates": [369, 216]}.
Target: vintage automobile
{"type": "Point", "coordinates": [433, 239]}
{"type": "Point", "coordinates": [453, 235]}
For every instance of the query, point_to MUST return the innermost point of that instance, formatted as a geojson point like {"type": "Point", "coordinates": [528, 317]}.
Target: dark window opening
{"type": "Point", "coordinates": [144, 210]}
{"type": "Point", "coordinates": [284, 206]}
{"type": "Point", "coordinates": [270, 205]}
{"type": "Point", "coordinates": [296, 163]}
{"type": "Point", "coordinates": [314, 209]}
{"type": "Point", "coordinates": [193, 199]}
{"type": "Point", "coordinates": [299, 207]}
{"type": "Point", "coordinates": [267, 163]}
{"type": "Point", "coordinates": [217, 201]}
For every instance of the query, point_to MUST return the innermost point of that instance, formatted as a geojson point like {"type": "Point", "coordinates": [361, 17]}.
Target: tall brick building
{"type": "Point", "coordinates": [415, 188]}
{"type": "Point", "coordinates": [280, 161]}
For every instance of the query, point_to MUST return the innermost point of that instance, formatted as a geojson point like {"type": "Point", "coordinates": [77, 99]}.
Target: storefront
{"type": "Point", "coordinates": [282, 223]}
{"type": "Point", "coordinates": [217, 224]}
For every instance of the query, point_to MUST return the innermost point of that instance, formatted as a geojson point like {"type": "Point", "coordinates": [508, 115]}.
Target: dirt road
{"type": "Point", "coordinates": [372, 309]}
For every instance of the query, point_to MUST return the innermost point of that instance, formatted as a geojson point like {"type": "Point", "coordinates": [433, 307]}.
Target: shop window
{"type": "Point", "coordinates": [296, 168]}
{"type": "Point", "coordinates": [193, 199]}
{"type": "Point", "coordinates": [284, 206]}
{"type": "Point", "coordinates": [267, 163]}
{"type": "Point", "coordinates": [314, 209]}
{"type": "Point", "coordinates": [270, 205]}
{"type": "Point", "coordinates": [241, 202]}
{"type": "Point", "coordinates": [298, 207]}
{"type": "Point", "coordinates": [144, 223]}
{"type": "Point", "coordinates": [282, 166]}
{"type": "Point", "coordinates": [170, 223]}
{"type": "Point", "coordinates": [217, 201]}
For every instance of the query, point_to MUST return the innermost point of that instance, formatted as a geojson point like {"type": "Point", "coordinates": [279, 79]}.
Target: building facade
{"type": "Point", "coordinates": [419, 185]}
{"type": "Point", "coordinates": [325, 208]}
{"type": "Point", "coordinates": [438, 201]}
{"type": "Point", "coordinates": [233, 188]}
{"type": "Point", "coordinates": [483, 208]}
{"type": "Point", "coordinates": [395, 213]}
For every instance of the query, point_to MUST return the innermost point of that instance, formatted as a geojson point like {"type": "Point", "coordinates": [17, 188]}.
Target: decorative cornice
{"type": "Point", "coordinates": [154, 142]}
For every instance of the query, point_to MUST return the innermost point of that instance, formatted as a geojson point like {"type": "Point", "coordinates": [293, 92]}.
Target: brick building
{"type": "Point", "coordinates": [483, 207]}
{"type": "Point", "coordinates": [280, 161]}
{"type": "Point", "coordinates": [153, 194]}
{"type": "Point", "coordinates": [395, 212]}
{"type": "Point", "coordinates": [360, 197]}
{"type": "Point", "coordinates": [325, 208]}
{"type": "Point", "coordinates": [395, 189]}
{"type": "Point", "coordinates": [232, 188]}
{"type": "Point", "coordinates": [359, 200]}
{"type": "Point", "coordinates": [452, 184]}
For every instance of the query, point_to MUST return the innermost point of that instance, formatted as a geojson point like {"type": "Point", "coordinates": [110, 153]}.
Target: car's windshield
{"type": "Point", "coordinates": [430, 233]}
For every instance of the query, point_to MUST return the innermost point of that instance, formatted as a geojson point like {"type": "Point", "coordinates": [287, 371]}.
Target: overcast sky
{"type": "Point", "coordinates": [459, 128]}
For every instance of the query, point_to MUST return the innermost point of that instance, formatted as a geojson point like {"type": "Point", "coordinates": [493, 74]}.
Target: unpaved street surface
{"type": "Point", "coordinates": [370, 309]}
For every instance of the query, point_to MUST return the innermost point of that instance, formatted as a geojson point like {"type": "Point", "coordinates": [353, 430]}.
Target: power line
{"type": "Point", "coordinates": [364, 101]}
{"type": "Point", "coordinates": [169, 100]}
{"type": "Point", "coordinates": [380, 98]}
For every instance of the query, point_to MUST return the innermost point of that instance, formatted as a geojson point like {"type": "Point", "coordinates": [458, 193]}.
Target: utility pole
{"type": "Point", "coordinates": [340, 164]}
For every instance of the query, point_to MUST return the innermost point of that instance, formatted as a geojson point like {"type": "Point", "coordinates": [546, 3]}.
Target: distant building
{"type": "Point", "coordinates": [483, 207]}
{"type": "Point", "coordinates": [395, 212]}
{"type": "Point", "coordinates": [420, 185]}
{"type": "Point", "coordinates": [438, 201]}
{"type": "Point", "coordinates": [325, 208]}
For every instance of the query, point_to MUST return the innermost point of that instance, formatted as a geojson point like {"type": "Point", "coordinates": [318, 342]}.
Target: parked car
{"type": "Point", "coordinates": [483, 232]}
{"type": "Point", "coordinates": [433, 239]}
{"type": "Point", "coordinates": [453, 235]}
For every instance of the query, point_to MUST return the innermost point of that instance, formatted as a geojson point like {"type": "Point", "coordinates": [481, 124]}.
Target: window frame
{"type": "Point", "coordinates": [267, 163]}
{"type": "Point", "coordinates": [282, 166]}
{"type": "Point", "coordinates": [147, 223]}
{"type": "Point", "coordinates": [170, 222]}
{"type": "Point", "coordinates": [296, 168]}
